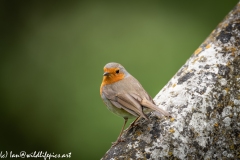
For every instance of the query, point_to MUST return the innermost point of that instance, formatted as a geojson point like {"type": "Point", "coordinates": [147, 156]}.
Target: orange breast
{"type": "Point", "coordinates": [111, 79]}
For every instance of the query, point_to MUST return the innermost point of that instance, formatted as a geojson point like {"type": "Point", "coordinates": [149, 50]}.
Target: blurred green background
{"type": "Point", "coordinates": [53, 53]}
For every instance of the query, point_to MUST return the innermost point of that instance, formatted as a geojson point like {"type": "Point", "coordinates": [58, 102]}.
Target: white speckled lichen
{"type": "Point", "coordinates": [204, 100]}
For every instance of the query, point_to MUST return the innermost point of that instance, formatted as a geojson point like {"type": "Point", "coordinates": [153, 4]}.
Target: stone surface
{"type": "Point", "coordinates": [204, 100]}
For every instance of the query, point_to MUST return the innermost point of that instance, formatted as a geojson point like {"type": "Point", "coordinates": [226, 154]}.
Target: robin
{"type": "Point", "coordinates": [125, 96]}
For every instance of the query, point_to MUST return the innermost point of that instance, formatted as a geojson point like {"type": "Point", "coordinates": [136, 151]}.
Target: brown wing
{"type": "Point", "coordinates": [149, 104]}
{"type": "Point", "coordinates": [129, 95]}
{"type": "Point", "coordinates": [118, 96]}
{"type": "Point", "coordinates": [118, 105]}
{"type": "Point", "coordinates": [152, 106]}
{"type": "Point", "coordinates": [129, 104]}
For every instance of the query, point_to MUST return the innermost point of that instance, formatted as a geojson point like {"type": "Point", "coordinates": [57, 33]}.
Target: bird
{"type": "Point", "coordinates": [124, 96]}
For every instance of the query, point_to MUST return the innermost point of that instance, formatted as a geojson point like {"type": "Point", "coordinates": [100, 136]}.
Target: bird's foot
{"type": "Point", "coordinates": [120, 139]}
{"type": "Point", "coordinates": [131, 126]}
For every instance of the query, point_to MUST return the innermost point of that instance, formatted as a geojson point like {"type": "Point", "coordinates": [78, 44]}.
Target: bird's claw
{"type": "Point", "coordinates": [131, 126]}
{"type": "Point", "coordinates": [118, 141]}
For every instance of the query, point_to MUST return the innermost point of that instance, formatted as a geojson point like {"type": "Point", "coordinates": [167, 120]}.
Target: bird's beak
{"type": "Point", "coordinates": [105, 73]}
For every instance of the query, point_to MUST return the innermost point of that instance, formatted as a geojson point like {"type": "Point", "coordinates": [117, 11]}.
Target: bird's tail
{"type": "Point", "coordinates": [150, 105]}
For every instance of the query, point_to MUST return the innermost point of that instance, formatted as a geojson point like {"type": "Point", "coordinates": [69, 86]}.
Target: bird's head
{"type": "Point", "coordinates": [113, 72]}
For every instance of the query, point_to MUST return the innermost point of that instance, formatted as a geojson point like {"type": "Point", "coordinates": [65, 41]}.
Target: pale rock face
{"type": "Point", "coordinates": [204, 100]}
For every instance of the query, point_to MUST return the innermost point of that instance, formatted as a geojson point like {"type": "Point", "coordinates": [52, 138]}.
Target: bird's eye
{"type": "Point", "coordinates": [117, 71]}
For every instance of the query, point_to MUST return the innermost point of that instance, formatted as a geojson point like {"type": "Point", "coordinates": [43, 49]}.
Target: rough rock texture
{"type": "Point", "coordinates": [204, 100]}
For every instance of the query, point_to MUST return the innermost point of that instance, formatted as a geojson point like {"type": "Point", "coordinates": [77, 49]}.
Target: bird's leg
{"type": "Point", "coordinates": [133, 124]}
{"type": "Point", "coordinates": [120, 135]}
